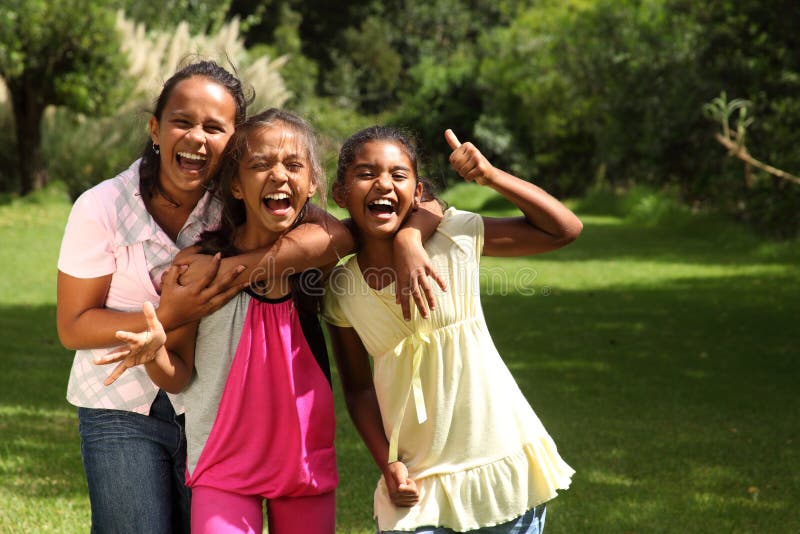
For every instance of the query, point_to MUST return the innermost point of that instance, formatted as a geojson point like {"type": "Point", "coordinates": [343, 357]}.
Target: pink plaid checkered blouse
{"type": "Point", "coordinates": [109, 231]}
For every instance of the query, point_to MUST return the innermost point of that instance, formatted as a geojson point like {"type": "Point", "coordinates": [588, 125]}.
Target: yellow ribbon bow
{"type": "Point", "coordinates": [418, 340]}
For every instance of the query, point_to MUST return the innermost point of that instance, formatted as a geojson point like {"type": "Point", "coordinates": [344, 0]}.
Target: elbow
{"type": "Point", "coordinates": [66, 336]}
{"type": "Point", "coordinates": [171, 388]}
{"type": "Point", "coordinates": [568, 233]}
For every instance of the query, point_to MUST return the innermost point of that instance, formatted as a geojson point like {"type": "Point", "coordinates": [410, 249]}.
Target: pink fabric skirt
{"type": "Point", "coordinates": [274, 432]}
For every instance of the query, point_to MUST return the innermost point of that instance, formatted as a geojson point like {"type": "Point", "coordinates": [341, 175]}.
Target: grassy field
{"type": "Point", "coordinates": [659, 353]}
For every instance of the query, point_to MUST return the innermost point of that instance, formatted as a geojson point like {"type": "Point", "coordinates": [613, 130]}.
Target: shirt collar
{"type": "Point", "coordinates": [135, 224]}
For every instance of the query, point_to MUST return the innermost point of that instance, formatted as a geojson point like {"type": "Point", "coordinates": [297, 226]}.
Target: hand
{"type": "Point", "coordinates": [192, 265]}
{"type": "Point", "coordinates": [181, 304]}
{"type": "Point", "coordinates": [413, 267]}
{"type": "Point", "coordinates": [139, 347]}
{"type": "Point", "coordinates": [468, 161]}
{"type": "Point", "coordinates": [402, 490]}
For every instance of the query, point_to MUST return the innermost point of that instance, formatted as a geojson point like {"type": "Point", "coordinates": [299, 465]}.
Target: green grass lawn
{"type": "Point", "coordinates": [661, 358]}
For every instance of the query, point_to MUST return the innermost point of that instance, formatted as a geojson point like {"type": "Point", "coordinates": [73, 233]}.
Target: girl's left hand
{"type": "Point", "coordinates": [139, 347]}
{"type": "Point", "coordinates": [468, 161]}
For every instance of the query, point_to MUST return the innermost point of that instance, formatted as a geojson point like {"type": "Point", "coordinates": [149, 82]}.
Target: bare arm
{"type": "Point", "coordinates": [355, 373]}
{"type": "Point", "coordinates": [172, 367]}
{"type": "Point", "coordinates": [546, 225]}
{"type": "Point", "coordinates": [319, 241]}
{"type": "Point", "coordinates": [84, 322]}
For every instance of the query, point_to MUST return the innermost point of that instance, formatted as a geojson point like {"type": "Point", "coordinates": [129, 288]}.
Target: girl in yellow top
{"type": "Point", "coordinates": [459, 446]}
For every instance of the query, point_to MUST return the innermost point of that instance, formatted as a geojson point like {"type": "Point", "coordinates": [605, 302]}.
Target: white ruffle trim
{"type": "Point", "coordinates": [483, 496]}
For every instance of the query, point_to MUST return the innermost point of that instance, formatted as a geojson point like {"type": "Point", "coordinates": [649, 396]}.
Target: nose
{"type": "Point", "coordinates": [277, 174]}
{"type": "Point", "coordinates": [384, 182]}
{"type": "Point", "coordinates": [198, 134]}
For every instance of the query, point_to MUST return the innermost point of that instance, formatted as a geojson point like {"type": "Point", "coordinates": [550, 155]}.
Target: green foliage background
{"type": "Point", "coordinates": [562, 92]}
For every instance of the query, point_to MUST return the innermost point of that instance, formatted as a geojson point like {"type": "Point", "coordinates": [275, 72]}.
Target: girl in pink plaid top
{"type": "Point", "coordinates": [121, 237]}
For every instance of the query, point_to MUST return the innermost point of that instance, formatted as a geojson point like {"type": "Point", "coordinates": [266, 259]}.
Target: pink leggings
{"type": "Point", "coordinates": [217, 511]}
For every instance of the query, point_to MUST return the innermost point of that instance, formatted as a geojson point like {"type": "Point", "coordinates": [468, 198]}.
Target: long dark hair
{"type": "Point", "coordinates": [150, 165]}
{"type": "Point", "coordinates": [306, 286]}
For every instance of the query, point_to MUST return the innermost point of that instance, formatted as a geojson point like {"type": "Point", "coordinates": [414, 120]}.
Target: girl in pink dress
{"type": "Point", "coordinates": [259, 407]}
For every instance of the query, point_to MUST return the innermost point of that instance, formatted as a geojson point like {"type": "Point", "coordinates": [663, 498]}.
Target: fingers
{"type": "Point", "coordinates": [420, 290]}
{"type": "Point", "coordinates": [405, 302]}
{"type": "Point", "coordinates": [438, 279]}
{"type": "Point", "coordinates": [116, 373]}
{"type": "Point", "coordinates": [219, 300]}
{"type": "Point", "coordinates": [451, 139]}
{"type": "Point", "coordinates": [170, 277]}
{"type": "Point", "coordinates": [184, 256]}
{"type": "Point", "coordinates": [427, 291]}
{"type": "Point", "coordinates": [212, 270]}
{"type": "Point", "coordinates": [407, 494]}
{"type": "Point", "coordinates": [419, 299]}
{"type": "Point", "coordinates": [153, 324]}
{"type": "Point", "coordinates": [114, 355]}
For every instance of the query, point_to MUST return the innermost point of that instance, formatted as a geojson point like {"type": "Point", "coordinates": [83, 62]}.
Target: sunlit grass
{"type": "Point", "coordinates": [662, 359]}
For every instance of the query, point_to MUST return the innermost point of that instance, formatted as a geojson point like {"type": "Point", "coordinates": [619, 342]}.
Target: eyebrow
{"type": "Point", "coordinates": [372, 166]}
{"type": "Point", "coordinates": [181, 114]}
{"type": "Point", "coordinates": [259, 156]}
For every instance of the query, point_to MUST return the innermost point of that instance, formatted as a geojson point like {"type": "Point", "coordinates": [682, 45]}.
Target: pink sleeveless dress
{"type": "Point", "coordinates": [260, 415]}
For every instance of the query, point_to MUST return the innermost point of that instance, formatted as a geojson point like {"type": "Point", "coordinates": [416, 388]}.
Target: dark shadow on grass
{"type": "Point", "coordinates": [678, 396]}
{"type": "Point", "coordinates": [40, 449]}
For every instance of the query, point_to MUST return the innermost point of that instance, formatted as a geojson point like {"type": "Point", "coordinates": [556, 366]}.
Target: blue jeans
{"type": "Point", "coordinates": [531, 522]}
{"type": "Point", "coordinates": [135, 467]}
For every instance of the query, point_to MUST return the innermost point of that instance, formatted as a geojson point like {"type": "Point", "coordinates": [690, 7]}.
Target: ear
{"type": "Point", "coordinates": [312, 188]}
{"type": "Point", "coordinates": [236, 189]}
{"type": "Point", "coordinates": [339, 194]}
{"type": "Point", "coordinates": [418, 194]}
{"type": "Point", "coordinates": [153, 126]}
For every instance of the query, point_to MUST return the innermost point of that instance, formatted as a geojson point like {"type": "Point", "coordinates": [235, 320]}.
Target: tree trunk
{"type": "Point", "coordinates": [28, 106]}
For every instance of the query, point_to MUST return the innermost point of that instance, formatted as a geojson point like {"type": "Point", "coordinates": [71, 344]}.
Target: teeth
{"type": "Point", "coordinates": [189, 155]}
{"type": "Point", "coordinates": [382, 201]}
{"type": "Point", "coordinates": [276, 196]}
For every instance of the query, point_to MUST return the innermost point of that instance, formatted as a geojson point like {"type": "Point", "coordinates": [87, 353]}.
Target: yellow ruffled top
{"type": "Point", "coordinates": [451, 410]}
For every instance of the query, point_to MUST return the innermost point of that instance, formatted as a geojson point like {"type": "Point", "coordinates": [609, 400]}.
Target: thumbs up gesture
{"type": "Point", "coordinates": [468, 161]}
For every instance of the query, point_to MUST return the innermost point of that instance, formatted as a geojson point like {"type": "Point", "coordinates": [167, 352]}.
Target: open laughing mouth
{"type": "Point", "coordinates": [191, 162]}
{"type": "Point", "coordinates": [382, 208]}
{"type": "Point", "coordinates": [277, 203]}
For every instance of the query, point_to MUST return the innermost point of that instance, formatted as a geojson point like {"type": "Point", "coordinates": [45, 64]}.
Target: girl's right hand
{"type": "Point", "coordinates": [468, 161]}
{"type": "Point", "coordinates": [402, 490]}
{"type": "Point", "coordinates": [139, 347]}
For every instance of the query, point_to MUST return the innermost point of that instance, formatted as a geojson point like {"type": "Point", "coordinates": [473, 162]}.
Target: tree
{"type": "Point", "coordinates": [56, 52]}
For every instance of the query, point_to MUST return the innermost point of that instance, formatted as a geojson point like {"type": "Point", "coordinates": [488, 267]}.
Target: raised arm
{"type": "Point", "coordinates": [546, 225]}
{"type": "Point", "coordinates": [352, 361]}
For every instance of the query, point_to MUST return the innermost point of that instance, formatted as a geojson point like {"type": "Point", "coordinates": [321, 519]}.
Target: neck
{"type": "Point", "coordinates": [376, 253]}
{"type": "Point", "coordinates": [170, 195]}
{"type": "Point", "coordinates": [248, 238]}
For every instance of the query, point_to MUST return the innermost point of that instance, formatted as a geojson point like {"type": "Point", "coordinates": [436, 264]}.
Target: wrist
{"type": "Point", "coordinates": [408, 234]}
{"type": "Point", "coordinates": [166, 317]}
